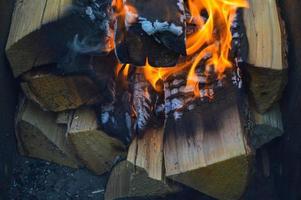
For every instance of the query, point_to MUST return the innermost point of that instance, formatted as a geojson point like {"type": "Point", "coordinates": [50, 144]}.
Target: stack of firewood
{"type": "Point", "coordinates": [65, 82]}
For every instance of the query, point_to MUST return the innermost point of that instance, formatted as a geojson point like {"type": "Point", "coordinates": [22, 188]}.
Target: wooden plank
{"type": "Point", "coordinates": [267, 53]}
{"type": "Point", "coordinates": [97, 150]}
{"type": "Point", "coordinates": [207, 149]}
{"type": "Point", "coordinates": [39, 135]}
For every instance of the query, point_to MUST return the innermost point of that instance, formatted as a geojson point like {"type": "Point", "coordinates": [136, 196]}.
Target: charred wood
{"type": "Point", "coordinates": [147, 31]}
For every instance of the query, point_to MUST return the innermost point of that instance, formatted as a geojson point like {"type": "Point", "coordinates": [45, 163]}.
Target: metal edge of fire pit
{"type": "Point", "coordinates": [7, 103]}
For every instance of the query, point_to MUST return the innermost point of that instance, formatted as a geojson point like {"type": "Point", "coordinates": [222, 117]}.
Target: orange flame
{"type": "Point", "coordinates": [211, 40]}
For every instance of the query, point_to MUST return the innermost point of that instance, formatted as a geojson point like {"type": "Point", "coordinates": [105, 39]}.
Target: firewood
{"type": "Point", "coordinates": [267, 53]}
{"type": "Point", "coordinates": [57, 93]}
{"type": "Point", "coordinates": [206, 148]}
{"type": "Point", "coordinates": [97, 150]}
{"type": "Point", "coordinates": [39, 135]}
{"type": "Point", "coordinates": [146, 152]}
{"type": "Point", "coordinates": [42, 31]}
{"type": "Point", "coordinates": [267, 126]}
{"type": "Point", "coordinates": [64, 117]}
{"type": "Point", "coordinates": [127, 181]}
{"type": "Point", "coordinates": [146, 31]}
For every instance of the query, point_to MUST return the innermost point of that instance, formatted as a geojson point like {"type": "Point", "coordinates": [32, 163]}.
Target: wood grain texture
{"type": "Point", "coordinates": [265, 86]}
{"type": "Point", "coordinates": [96, 149]}
{"type": "Point", "coordinates": [267, 61]}
{"type": "Point", "coordinates": [267, 126]}
{"type": "Point", "coordinates": [207, 148]}
{"type": "Point", "coordinates": [266, 35]}
{"type": "Point", "coordinates": [39, 136]}
{"type": "Point", "coordinates": [146, 152]}
{"type": "Point", "coordinates": [58, 93]}
{"type": "Point", "coordinates": [128, 181]}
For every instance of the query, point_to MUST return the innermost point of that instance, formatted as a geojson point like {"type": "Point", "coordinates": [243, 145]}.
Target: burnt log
{"type": "Point", "coordinates": [145, 32]}
{"type": "Point", "coordinates": [267, 61]}
{"type": "Point", "coordinates": [207, 148]}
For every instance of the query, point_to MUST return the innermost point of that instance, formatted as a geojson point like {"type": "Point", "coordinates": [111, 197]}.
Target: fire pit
{"type": "Point", "coordinates": [164, 95]}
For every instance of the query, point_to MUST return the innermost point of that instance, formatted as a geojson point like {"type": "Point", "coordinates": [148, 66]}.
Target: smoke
{"type": "Point", "coordinates": [93, 18]}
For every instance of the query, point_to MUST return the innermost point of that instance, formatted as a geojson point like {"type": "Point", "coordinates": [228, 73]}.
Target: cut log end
{"type": "Point", "coordinates": [39, 136]}
{"type": "Point", "coordinates": [95, 149]}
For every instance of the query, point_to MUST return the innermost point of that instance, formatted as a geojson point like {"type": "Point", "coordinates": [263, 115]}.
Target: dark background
{"type": "Point", "coordinates": [8, 96]}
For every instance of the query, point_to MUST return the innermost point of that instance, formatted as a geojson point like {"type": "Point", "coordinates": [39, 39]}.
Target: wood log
{"type": "Point", "coordinates": [126, 181]}
{"type": "Point", "coordinates": [207, 147]}
{"type": "Point", "coordinates": [39, 135]}
{"type": "Point", "coordinates": [57, 93]}
{"type": "Point", "coordinates": [267, 126]}
{"type": "Point", "coordinates": [97, 150]}
{"type": "Point", "coordinates": [146, 152]}
{"type": "Point", "coordinates": [267, 53]}
{"type": "Point", "coordinates": [42, 30]}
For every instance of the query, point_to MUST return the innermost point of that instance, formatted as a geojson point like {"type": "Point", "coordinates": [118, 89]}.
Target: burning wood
{"type": "Point", "coordinates": [142, 27]}
{"type": "Point", "coordinates": [175, 98]}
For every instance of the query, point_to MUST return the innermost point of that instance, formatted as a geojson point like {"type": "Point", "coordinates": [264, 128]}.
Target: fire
{"type": "Point", "coordinates": [211, 41]}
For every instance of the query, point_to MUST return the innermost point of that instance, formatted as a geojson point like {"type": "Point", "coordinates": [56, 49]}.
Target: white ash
{"type": "Point", "coordinates": [237, 79]}
{"type": "Point", "coordinates": [90, 13]}
{"type": "Point", "coordinates": [157, 27]}
{"type": "Point", "coordinates": [142, 102]}
{"type": "Point", "coordinates": [177, 115]}
{"type": "Point", "coordinates": [105, 117]}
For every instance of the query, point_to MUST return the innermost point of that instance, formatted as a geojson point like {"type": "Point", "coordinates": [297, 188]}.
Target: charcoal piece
{"type": "Point", "coordinates": [115, 119]}
{"type": "Point", "coordinates": [144, 101]}
{"type": "Point", "coordinates": [154, 33]}
{"type": "Point", "coordinates": [159, 55]}
{"type": "Point", "coordinates": [240, 44]}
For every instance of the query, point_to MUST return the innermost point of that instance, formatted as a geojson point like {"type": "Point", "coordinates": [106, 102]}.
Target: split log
{"type": "Point", "coordinates": [145, 31]}
{"type": "Point", "coordinates": [146, 152]}
{"type": "Point", "coordinates": [267, 53]}
{"type": "Point", "coordinates": [206, 148]}
{"type": "Point", "coordinates": [126, 181]}
{"type": "Point", "coordinates": [57, 93]}
{"type": "Point", "coordinates": [42, 30]}
{"type": "Point", "coordinates": [267, 126]}
{"type": "Point", "coordinates": [39, 135]}
{"type": "Point", "coordinates": [97, 150]}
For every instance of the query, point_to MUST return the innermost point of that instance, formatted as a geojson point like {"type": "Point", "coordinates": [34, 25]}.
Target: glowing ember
{"type": "Point", "coordinates": [210, 42]}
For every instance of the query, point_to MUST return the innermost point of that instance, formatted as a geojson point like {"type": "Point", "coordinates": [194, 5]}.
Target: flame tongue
{"type": "Point", "coordinates": [210, 42]}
